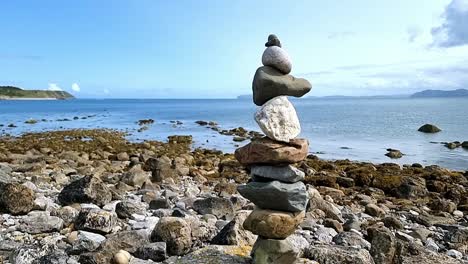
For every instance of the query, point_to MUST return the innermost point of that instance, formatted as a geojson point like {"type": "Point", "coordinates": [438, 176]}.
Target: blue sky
{"type": "Point", "coordinates": [211, 48]}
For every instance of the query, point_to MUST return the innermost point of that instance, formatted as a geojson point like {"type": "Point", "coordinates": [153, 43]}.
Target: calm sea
{"type": "Point", "coordinates": [356, 129]}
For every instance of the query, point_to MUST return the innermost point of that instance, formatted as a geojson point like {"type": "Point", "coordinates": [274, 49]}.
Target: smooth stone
{"type": "Point", "coordinates": [267, 151]}
{"type": "Point", "coordinates": [273, 40]}
{"type": "Point", "coordinates": [273, 251]}
{"type": "Point", "coordinates": [429, 128]}
{"type": "Point", "coordinates": [277, 58]}
{"type": "Point", "coordinates": [281, 173]}
{"type": "Point", "coordinates": [278, 119]}
{"type": "Point", "coordinates": [275, 195]}
{"type": "Point", "coordinates": [273, 224]}
{"type": "Point", "coordinates": [268, 83]}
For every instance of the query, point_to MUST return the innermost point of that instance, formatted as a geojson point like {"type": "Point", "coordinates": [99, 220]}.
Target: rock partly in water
{"type": "Point", "coordinates": [269, 82]}
{"type": "Point", "coordinates": [267, 151]}
{"type": "Point", "coordinates": [16, 198]}
{"type": "Point", "coordinates": [278, 119]}
{"type": "Point", "coordinates": [273, 224]}
{"type": "Point", "coordinates": [277, 58]}
{"type": "Point", "coordinates": [429, 128]}
{"type": "Point", "coordinates": [88, 189]}
{"type": "Point", "coordinates": [394, 154]}
{"type": "Point", "coordinates": [287, 173]}
{"type": "Point", "coordinates": [275, 195]}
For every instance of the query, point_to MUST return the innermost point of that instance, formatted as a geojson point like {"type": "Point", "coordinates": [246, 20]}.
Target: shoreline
{"type": "Point", "coordinates": [77, 185]}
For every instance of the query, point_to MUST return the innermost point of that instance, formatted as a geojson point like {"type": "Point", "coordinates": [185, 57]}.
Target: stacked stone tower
{"type": "Point", "coordinates": [276, 186]}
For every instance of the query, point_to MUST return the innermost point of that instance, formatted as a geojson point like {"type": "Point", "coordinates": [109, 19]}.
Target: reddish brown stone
{"type": "Point", "coordinates": [267, 151]}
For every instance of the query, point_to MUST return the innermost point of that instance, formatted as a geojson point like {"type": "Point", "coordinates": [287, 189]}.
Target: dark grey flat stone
{"type": "Point", "coordinates": [288, 173]}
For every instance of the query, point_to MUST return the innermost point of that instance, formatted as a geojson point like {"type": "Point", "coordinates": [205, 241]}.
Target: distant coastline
{"type": "Point", "coordinates": [15, 93]}
{"type": "Point", "coordinates": [422, 94]}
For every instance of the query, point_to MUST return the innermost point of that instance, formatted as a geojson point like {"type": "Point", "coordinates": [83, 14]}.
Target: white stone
{"type": "Point", "coordinates": [277, 58]}
{"type": "Point", "coordinates": [278, 119]}
{"type": "Point", "coordinates": [455, 254]}
{"type": "Point", "coordinates": [458, 213]}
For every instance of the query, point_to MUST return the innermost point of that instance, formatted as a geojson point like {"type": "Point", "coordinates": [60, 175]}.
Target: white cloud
{"type": "Point", "coordinates": [75, 87]}
{"type": "Point", "coordinates": [54, 87]}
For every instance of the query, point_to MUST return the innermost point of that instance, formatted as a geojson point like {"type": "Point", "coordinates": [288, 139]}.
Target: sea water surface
{"type": "Point", "coordinates": [356, 129]}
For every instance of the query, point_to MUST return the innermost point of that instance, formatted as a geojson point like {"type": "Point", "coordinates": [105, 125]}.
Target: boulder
{"type": "Point", "coordinates": [234, 233]}
{"type": "Point", "coordinates": [383, 245]}
{"type": "Point", "coordinates": [287, 173]}
{"type": "Point", "coordinates": [16, 198]}
{"type": "Point", "coordinates": [267, 151]}
{"type": "Point", "coordinates": [429, 128]}
{"type": "Point", "coordinates": [85, 242]}
{"type": "Point", "coordinates": [273, 251]}
{"type": "Point", "coordinates": [273, 40]}
{"type": "Point", "coordinates": [96, 220]}
{"type": "Point", "coordinates": [135, 177]}
{"type": "Point", "coordinates": [161, 168]}
{"type": "Point", "coordinates": [330, 254]}
{"type": "Point", "coordinates": [277, 58]}
{"type": "Point", "coordinates": [278, 119]}
{"type": "Point", "coordinates": [269, 82]}
{"type": "Point", "coordinates": [175, 232]}
{"type": "Point", "coordinates": [394, 154]}
{"type": "Point", "coordinates": [275, 195]}
{"type": "Point", "coordinates": [217, 206]}
{"type": "Point", "coordinates": [273, 224]}
{"type": "Point", "coordinates": [125, 209]}
{"type": "Point", "coordinates": [38, 222]}
{"type": "Point", "coordinates": [88, 189]}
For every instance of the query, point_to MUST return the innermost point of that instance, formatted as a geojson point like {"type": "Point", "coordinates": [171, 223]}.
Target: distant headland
{"type": "Point", "coordinates": [422, 94]}
{"type": "Point", "coordinates": [15, 93]}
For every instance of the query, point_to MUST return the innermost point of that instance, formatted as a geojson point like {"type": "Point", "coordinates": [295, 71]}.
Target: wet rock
{"type": "Point", "coordinates": [273, 251]}
{"type": "Point", "coordinates": [16, 198]}
{"type": "Point", "coordinates": [269, 82]}
{"type": "Point", "coordinates": [275, 195]}
{"type": "Point", "coordinates": [329, 254]}
{"type": "Point", "coordinates": [267, 151]}
{"type": "Point", "coordinates": [96, 220]}
{"type": "Point", "coordinates": [281, 173]}
{"type": "Point", "coordinates": [394, 154]}
{"type": "Point", "coordinates": [220, 207]}
{"type": "Point", "coordinates": [278, 120]}
{"type": "Point", "coordinates": [175, 232]}
{"type": "Point", "coordinates": [464, 144]}
{"type": "Point", "coordinates": [153, 251]}
{"type": "Point", "coordinates": [86, 190]}
{"type": "Point", "coordinates": [234, 233]}
{"type": "Point", "coordinates": [273, 224]}
{"type": "Point", "coordinates": [429, 128]}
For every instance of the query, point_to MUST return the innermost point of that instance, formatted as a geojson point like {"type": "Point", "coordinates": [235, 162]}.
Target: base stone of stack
{"type": "Point", "coordinates": [268, 83]}
{"type": "Point", "coordinates": [275, 195]}
{"type": "Point", "coordinates": [267, 151]}
{"type": "Point", "coordinates": [273, 251]}
{"type": "Point", "coordinates": [273, 224]}
{"type": "Point", "coordinates": [278, 119]}
{"type": "Point", "coordinates": [287, 173]}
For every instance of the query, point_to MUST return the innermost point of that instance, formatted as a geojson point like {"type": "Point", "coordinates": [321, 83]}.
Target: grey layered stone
{"type": "Point", "coordinates": [38, 222]}
{"type": "Point", "coordinates": [281, 173]}
{"type": "Point", "coordinates": [85, 242]}
{"type": "Point", "coordinates": [218, 206]}
{"type": "Point", "coordinates": [275, 195]}
{"type": "Point", "coordinates": [269, 82]}
{"type": "Point", "coordinates": [154, 251]}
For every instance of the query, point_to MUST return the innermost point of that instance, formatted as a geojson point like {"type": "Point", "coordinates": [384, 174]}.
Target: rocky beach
{"type": "Point", "coordinates": [92, 196]}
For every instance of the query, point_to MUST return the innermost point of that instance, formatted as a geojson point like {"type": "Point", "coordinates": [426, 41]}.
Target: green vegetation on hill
{"type": "Point", "coordinates": [10, 92]}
